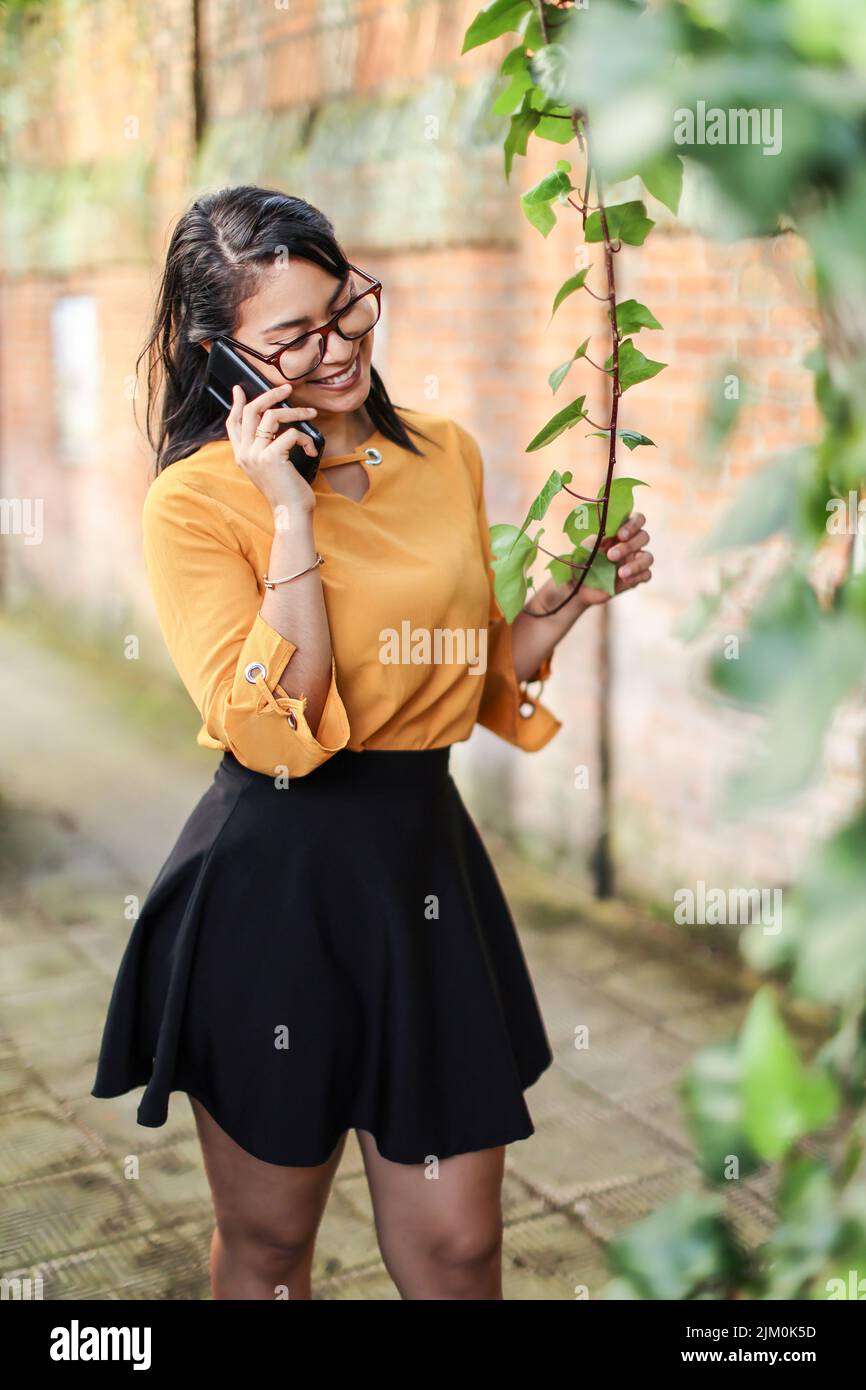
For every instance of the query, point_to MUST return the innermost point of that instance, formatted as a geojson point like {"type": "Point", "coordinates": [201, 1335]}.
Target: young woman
{"type": "Point", "coordinates": [327, 946]}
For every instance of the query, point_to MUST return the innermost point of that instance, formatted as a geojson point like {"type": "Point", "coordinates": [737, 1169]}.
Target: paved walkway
{"type": "Point", "coordinates": [91, 801]}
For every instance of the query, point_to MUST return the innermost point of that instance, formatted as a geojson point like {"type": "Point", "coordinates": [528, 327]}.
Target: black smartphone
{"type": "Point", "coordinates": [225, 369]}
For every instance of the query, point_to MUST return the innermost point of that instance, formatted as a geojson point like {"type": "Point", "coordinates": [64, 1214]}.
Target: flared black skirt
{"type": "Point", "coordinates": [331, 954]}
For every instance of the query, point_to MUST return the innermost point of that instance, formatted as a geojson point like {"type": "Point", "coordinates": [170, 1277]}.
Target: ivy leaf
{"type": "Point", "coordinates": [512, 557]}
{"type": "Point", "coordinates": [533, 37]}
{"type": "Point", "coordinates": [621, 502]}
{"type": "Point", "coordinates": [714, 1109]}
{"type": "Point", "coordinates": [549, 67]}
{"type": "Point", "coordinates": [632, 316]}
{"type": "Point", "coordinates": [677, 1251]}
{"type": "Point", "coordinates": [602, 574]}
{"type": "Point", "coordinates": [781, 1100]}
{"type": "Point", "coordinates": [551, 184]}
{"type": "Point", "coordinates": [554, 485]}
{"type": "Point", "coordinates": [813, 1238]}
{"type": "Point", "coordinates": [630, 438]}
{"type": "Point", "coordinates": [516, 66]}
{"type": "Point", "coordinates": [626, 221]}
{"type": "Point", "coordinates": [569, 286]}
{"type": "Point", "coordinates": [522, 125]}
{"type": "Point", "coordinates": [558, 424]}
{"type": "Point", "coordinates": [536, 201]}
{"type": "Point", "coordinates": [495, 19]}
{"type": "Point", "coordinates": [633, 366]}
{"type": "Point", "coordinates": [555, 125]}
{"type": "Point", "coordinates": [560, 570]}
{"type": "Point", "coordinates": [582, 522]}
{"type": "Point", "coordinates": [541, 215]}
{"type": "Point", "coordinates": [558, 375]}
{"type": "Point", "coordinates": [663, 178]}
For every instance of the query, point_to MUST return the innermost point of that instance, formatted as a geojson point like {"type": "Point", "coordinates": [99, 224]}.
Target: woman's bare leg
{"type": "Point", "coordinates": [440, 1236]}
{"type": "Point", "coordinates": [267, 1217]}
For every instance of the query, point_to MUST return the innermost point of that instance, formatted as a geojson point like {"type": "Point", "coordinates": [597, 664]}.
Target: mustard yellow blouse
{"type": "Point", "coordinates": [421, 650]}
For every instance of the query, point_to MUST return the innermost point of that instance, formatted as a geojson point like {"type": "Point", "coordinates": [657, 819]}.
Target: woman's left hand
{"type": "Point", "coordinates": [627, 549]}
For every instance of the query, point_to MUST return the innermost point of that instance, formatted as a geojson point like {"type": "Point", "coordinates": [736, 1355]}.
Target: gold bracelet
{"type": "Point", "coordinates": [272, 583]}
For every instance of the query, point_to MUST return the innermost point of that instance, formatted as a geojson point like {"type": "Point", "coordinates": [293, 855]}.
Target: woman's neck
{"type": "Point", "coordinates": [344, 431]}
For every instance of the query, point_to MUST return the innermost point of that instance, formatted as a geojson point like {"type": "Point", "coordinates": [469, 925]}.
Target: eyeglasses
{"type": "Point", "coordinates": [303, 355]}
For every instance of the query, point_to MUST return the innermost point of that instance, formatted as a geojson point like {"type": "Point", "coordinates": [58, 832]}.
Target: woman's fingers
{"type": "Point", "coordinates": [235, 415]}
{"type": "Point", "coordinates": [623, 549]}
{"type": "Point", "coordinates": [631, 525]}
{"type": "Point", "coordinates": [626, 550]}
{"type": "Point", "coordinates": [637, 568]}
{"type": "Point", "coordinates": [256, 408]}
{"type": "Point", "coordinates": [259, 419]}
{"type": "Point", "coordinates": [271, 419]}
{"type": "Point", "coordinates": [629, 538]}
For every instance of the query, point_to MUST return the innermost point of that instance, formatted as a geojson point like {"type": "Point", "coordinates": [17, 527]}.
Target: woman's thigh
{"type": "Point", "coordinates": [262, 1202]}
{"type": "Point", "coordinates": [438, 1219]}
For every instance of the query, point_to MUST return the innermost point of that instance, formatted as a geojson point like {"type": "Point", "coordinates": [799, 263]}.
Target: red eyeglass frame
{"type": "Point", "coordinates": [273, 360]}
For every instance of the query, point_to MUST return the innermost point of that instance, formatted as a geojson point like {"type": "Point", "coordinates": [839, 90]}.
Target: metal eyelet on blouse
{"type": "Point", "coordinates": [255, 669]}
{"type": "Point", "coordinates": [529, 703]}
{"type": "Point", "coordinates": [527, 706]}
{"type": "Point", "coordinates": [373, 456]}
{"type": "Point", "coordinates": [292, 718]}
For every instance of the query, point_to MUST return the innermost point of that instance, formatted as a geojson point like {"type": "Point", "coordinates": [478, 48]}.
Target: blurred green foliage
{"type": "Point", "coordinates": [799, 164]}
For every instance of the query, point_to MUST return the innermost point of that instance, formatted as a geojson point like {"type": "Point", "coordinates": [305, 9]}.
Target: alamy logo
{"type": "Point", "coordinates": [737, 126]}
{"type": "Point", "coordinates": [438, 646]}
{"type": "Point", "coordinates": [22, 516]}
{"type": "Point", "coordinates": [854, 1288]}
{"type": "Point", "coordinates": [714, 907]}
{"type": "Point", "coordinates": [77, 1343]}
{"type": "Point", "coordinates": [22, 1290]}
{"type": "Point", "coordinates": [847, 518]}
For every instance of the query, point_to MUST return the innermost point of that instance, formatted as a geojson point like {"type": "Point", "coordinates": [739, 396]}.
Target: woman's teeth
{"type": "Point", "coordinates": [341, 379]}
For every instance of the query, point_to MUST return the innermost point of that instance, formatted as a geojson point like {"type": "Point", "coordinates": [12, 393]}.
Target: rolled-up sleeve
{"type": "Point", "coordinates": [503, 697]}
{"type": "Point", "coordinates": [228, 656]}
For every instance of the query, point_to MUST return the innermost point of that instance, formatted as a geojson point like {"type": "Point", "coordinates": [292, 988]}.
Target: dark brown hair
{"type": "Point", "coordinates": [216, 252]}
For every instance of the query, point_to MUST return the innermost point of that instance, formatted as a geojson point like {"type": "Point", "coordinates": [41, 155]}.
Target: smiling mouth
{"type": "Point", "coordinates": [344, 378]}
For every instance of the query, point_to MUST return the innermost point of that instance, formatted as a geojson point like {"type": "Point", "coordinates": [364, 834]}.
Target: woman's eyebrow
{"type": "Point", "coordinates": [294, 323]}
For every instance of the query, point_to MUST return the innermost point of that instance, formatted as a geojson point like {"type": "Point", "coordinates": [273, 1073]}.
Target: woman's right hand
{"type": "Point", "coordinates": [266, 462]}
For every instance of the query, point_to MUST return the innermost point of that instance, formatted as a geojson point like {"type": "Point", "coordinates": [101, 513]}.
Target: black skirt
{"type": "Point", "coordinates": [328, 955]}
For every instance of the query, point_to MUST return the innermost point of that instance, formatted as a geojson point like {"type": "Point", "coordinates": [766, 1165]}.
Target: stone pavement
{"type": "Point", "coordinates": [91, 801]}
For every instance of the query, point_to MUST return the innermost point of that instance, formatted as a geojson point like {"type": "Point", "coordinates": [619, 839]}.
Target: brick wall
{"type": "Point", "coordinates": [368, 110]}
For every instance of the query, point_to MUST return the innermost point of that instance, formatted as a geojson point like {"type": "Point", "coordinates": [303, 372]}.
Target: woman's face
{"type": "Point", "coordinates": [291, 300]}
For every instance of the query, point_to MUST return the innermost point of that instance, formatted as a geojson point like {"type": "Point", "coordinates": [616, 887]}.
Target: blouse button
{"type": "Point", "coordinates": [255, 669]}
{"type": "Point", "coordinates": [373, 456]}
{"type": "Point", "coordinates": [292, 718]}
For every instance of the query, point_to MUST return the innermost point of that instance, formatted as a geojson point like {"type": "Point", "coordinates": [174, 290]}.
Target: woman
{"type": "Point", "coordinates": [327, 946]}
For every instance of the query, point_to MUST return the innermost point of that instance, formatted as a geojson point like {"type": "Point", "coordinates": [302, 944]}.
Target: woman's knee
{"type": "Point", "coordinates": [466, 1245]}
{"type": "Point", "coordinates": [278, 1244]}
